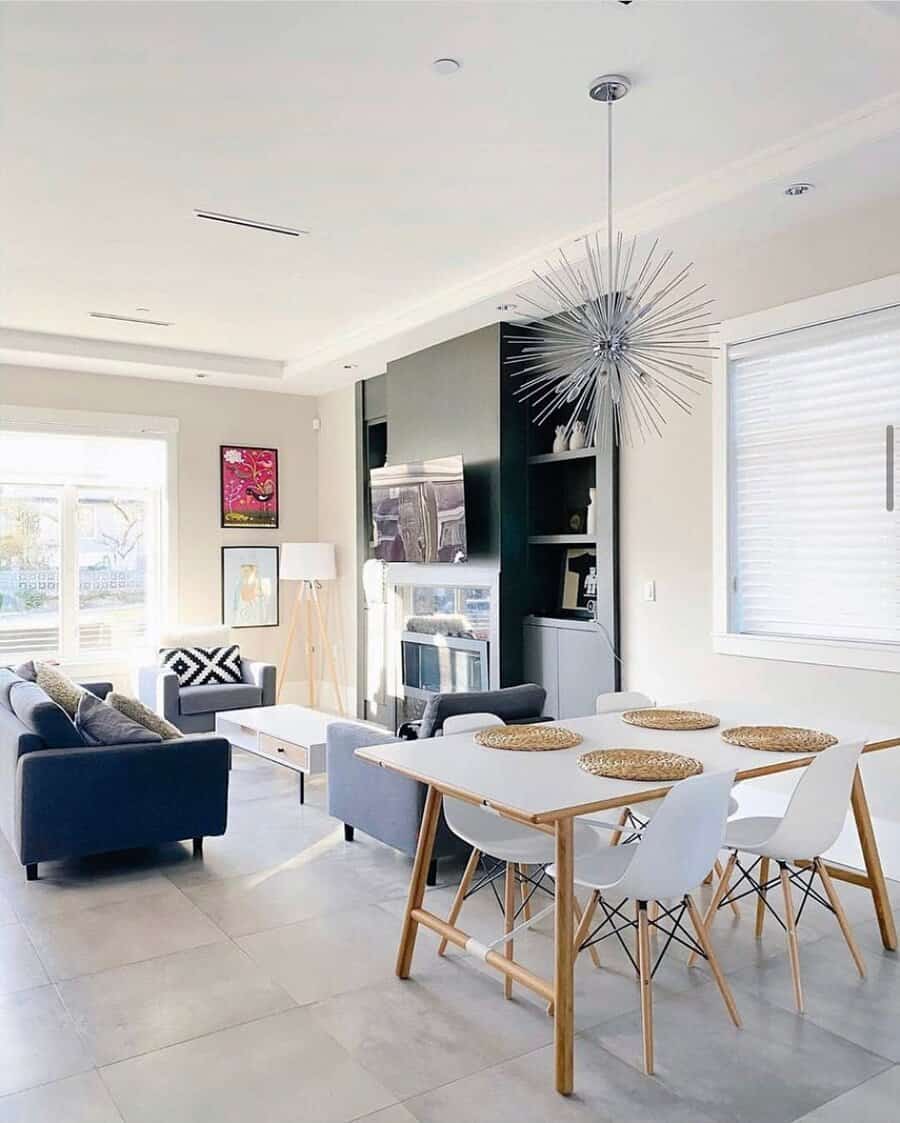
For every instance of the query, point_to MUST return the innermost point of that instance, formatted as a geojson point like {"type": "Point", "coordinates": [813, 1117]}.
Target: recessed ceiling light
{"type": "Point", "coordinates": [131, 319]}
{"type": "Point", "coordinates": [447, 65]}
{"type": "Point", "coordinates": [794, 189]}
{"type": "Point", "coordinates": [252, 223]}
{"type": "Point", "coordinates": [200, 374]}
{"type": "Point", "coordinates": [350, 366]}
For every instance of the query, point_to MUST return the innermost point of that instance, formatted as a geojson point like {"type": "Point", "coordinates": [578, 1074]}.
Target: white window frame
{"type": "Point", "coordinates": [61, 421]}
{"type": "Point", "coordinates": [868, 297]}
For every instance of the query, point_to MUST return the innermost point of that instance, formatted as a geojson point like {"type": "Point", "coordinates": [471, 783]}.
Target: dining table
{"type": "Point", "coordinates": [548, 790]}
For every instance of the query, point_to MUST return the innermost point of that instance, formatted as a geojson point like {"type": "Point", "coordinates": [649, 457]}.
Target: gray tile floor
{"type": "Point", "coordinates": [258, 984]}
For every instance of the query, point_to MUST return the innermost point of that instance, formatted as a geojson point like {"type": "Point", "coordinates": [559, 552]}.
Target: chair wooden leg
{"type": "Point", "coordinates": [459, 899]}
{"type": "Point", "coordinates": [620, 826]}
{"type": "Point", "coordinates": [791, 926]}
{"type": "Point", "coordinates": [733, 905]}
{"type": "Point", "coordinates": [831, 893]}
{"type": "Point", "coordinates": [706, 943]}
{"type": "Point", "coordinates": [645, 968]}
{"type": "Point", "coordinates": [526, 892]}
{"type": "Point", "coordinates": [721, 890]}
{"type": "Point", "coordinates": [653, 911]}
{"type": "Point", "coordinates": [509, 920]}
{"type": "Point", "coordinates": [583, 920]}
{"type": "Point", "coordinates": [761, 899]}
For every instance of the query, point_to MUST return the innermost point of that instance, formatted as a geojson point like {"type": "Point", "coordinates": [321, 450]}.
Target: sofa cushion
{"type": "Point", "coordinates": [7, 677]}
{"type": "Point", "coordinates": [143, 715]}
{"type": "Point", "coordinates": [101, 724]}
{"type": "Point", "coordinates": [43, 717]}
{"type": "Point", "coordinates": [201, 666]}
{"type": "Point", "coordinates": [60, 687]}
{"type": "Point", "coordinates": [211, 699]}
{"type": "Point", "coordinates": [511, 704]}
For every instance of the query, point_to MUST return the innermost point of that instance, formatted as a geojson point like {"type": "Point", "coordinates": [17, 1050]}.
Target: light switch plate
{"type": "Point", "coordinates": [650, 591]}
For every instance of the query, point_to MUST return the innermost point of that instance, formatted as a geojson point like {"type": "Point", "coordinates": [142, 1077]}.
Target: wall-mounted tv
{"type": "Point", "coordinates": [419, 511]}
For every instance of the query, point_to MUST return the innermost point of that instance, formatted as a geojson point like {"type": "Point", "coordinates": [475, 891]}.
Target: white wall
{"type": "Point", "coordinates": [666, 508]}
{"type": "Point", "coordinates": [208, 416]}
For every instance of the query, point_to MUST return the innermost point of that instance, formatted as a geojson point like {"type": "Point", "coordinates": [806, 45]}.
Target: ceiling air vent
{"type": "Point", "coordinates": [252, 223]}
{"type": "Point", "coordinates": [131, 319]}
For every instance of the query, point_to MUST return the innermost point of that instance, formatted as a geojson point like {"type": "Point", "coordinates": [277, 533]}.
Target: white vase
{"type": "Point", "coordinates": [559, 441]}
{"type": "Point", "coordinates": [591, 520]}
{"type": "Point", "coordinates": [577, 438]}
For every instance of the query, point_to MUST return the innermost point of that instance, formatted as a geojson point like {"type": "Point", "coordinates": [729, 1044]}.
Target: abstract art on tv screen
{"type": "Point", "coordinates": [249, 486]}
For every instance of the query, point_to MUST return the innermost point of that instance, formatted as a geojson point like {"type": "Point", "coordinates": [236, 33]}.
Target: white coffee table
{"type": "Point", "coordinates": [292, 736]}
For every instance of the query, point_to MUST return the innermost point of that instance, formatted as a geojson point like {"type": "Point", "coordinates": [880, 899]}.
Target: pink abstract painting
{"type": "Point", "coordinates": [249, 486]}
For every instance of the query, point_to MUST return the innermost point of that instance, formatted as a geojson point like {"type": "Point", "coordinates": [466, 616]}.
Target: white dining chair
{"type": "Point", "coordinates": [796, 841]}
{"type": "Point", "coordinates": [671, 858]}
{"type": "Point", "coordinates": [515, 849]}
{"type": "Point", "coordinates": [618, 701]}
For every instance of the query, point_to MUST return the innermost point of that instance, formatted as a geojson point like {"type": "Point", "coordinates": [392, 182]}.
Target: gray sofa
{"type": "Point", "coordinates": [193, 708]}
{"type": "Point", "coordinates": [62, 799]}
{"type": "Point", "coordinates": [388, 806]}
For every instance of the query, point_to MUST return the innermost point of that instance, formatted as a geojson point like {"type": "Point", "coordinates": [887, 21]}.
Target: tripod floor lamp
{"type": "Point", "coordinates": [309, 564]}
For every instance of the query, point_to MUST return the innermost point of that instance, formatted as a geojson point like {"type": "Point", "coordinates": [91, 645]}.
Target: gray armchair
{"type": "Point", "coordinates": [193, 708]}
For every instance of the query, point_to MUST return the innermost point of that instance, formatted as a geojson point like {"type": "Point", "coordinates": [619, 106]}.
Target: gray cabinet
{"type": "Point", "coordinates": [572, 660]}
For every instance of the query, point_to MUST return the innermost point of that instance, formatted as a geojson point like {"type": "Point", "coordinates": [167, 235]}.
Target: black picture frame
{"type": "Point", "coordinates": [228, 619]}
{"type": "Point", "coordinates": [573, 603]}
{"type": "Point", "coordinates": [271, 523]}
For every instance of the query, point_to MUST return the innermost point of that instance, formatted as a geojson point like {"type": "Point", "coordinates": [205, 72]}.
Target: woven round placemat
{"type": "Point", "coordinates": [778, 738]}
{"type": "Point", "coordinates": [657, 718]}
{"type": "Point", "coordinates": [528, 738]}
{"type": "Point", "coordinates": [639, 764]}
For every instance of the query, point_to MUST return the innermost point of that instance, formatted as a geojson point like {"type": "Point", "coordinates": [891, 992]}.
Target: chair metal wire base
{"type": "Point", "coordinates": [761, 889]}
{"type": "Point", "coordinates": [612, 913]}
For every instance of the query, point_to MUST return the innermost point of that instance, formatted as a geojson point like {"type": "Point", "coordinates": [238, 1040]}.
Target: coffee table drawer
{"type": "Point", "coordinates": [285, 751]}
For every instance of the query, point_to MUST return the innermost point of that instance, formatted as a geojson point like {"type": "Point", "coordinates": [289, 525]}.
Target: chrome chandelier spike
{"type": "Point", "coordinates": [616, 342]}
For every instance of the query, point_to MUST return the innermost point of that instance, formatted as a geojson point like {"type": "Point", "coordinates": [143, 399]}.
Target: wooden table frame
{"type": "Point", "coordinates": [560, 823]}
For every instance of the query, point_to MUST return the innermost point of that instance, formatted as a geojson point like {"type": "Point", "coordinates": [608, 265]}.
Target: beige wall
{"type": "Point", "coordinates": [207, 417]}
{"type": "Point", "coordinates": [666, 505]}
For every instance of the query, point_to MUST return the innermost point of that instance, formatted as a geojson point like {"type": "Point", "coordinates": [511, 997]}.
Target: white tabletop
{"type": "Point", "coordinates": [298, 725]}
{"type": "Point", "coordinates": [539, 785]}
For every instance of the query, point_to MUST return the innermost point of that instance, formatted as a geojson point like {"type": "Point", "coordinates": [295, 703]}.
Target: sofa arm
{"type": "Point", "coordinates": [261, 675]}
{"type": "Point", "coordinates": [158, 689]}
{"type": "Point", "coordinates": [86, 801]}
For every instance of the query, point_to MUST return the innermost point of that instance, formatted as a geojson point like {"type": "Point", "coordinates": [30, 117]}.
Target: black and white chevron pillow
{"type": "Point", "coordinates": [203, 666]}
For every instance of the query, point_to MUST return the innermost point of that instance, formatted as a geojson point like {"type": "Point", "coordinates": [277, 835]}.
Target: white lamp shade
{"type": "Point", "coordinates": [307, 561]}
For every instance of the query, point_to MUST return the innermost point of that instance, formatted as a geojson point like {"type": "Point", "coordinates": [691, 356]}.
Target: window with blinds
{"type": "Point", "coordinates": [80, 544]}
{"type": "Point", "coordinates": [814, 544]}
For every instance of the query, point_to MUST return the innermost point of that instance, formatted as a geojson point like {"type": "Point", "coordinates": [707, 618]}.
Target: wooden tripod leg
{"type": "Point", "coordinates": [761, 899]}
{"type": "Point", "coordinates": [579, 919]}
{"type": "Point", "coordinates": [620, 826]}
{"type": "Point", "coordinates": [458, 900]}
{"type": "Point", "coordinates": [311, 668]}
{"type": "Point", "coordinates": [292, 628]}
{"type": "Point", "coordinates": [791, 926]}
{"type": "Point", "coordinates": [733, 905]}
{"type": "Point", "coordinates": [645, 968]}
{"type": "Point", "coordinates": [831, 893]}
{"type": "Point", "coordinates": [329, 653]}
{"type": "Point", "coordinates": [721, 890]}
{"type": "Point", "coordinates": [526, 893]}
{"type": "Point", "coordinates": [424, 848]}
{"type": "Point", "coordinates": [509, 920]}
{"type": "Point", "coordinates": [711, 958]}
{"type": "Point", "coordinates": [867, 841]}
{"type": "Point", "coordinates": [563, 978]}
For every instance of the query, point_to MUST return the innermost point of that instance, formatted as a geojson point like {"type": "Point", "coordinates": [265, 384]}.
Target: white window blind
{"type": "Point", "coordinates": [814, 550]}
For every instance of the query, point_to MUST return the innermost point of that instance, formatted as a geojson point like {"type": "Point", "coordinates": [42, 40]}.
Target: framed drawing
{"type": "Point", "coordinates": [248, 490]}
{"type": "Point", "coordinates": [250, 586]}
{"type": "Point", "coordinates": [578, 587]}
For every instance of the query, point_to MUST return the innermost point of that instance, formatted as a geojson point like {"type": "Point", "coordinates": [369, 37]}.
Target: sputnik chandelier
{"type": "Point", "coordinates": [616, 343]}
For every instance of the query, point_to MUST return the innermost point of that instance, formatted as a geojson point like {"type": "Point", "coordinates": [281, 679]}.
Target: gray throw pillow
{"type": "Point", "coordinates": [26, 671]}
{"type": "Point", "coordinates": [100, 724]}
{"type": "Point", "coordinates": [143, 715]}
{"type": "Point", "coordinates": [39, 713]}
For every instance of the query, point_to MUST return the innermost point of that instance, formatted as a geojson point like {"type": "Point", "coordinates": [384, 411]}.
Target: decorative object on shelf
{"type": "Point", "coordinates": [576, 521]}
{"type": "Point", "coordinates": [591, 518]}
{"type": "Point", "coordinates": [248, 479]}
{"type": "Point", "coordinates": [561, 440]}
{"type": "Point", "coordinates": [639, 764]}
{"type": "Point", "coordinates": [577, 439]}
{"type": "Point", "coordinates": [616, 342]}
{"type": "Point", "coordinates": [528, 738]}
{"type": "Point", "coordinates": [675, 720]}
{"type": "Point", "coordinates": [311, 564]}
{"type": "Point", "coordinates": [778, 738]}
{"type": "Point", "coordinates": [578, 594]}
{"type": "Point", "coordinates": [250, 586]}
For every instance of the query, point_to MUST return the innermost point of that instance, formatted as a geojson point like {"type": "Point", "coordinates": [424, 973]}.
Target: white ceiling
{"type": "Point", "coordinates": [428, 198]}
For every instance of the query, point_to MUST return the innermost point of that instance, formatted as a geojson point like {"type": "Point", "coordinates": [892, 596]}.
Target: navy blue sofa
{"type": "Point", "coordinates": [61, 799]}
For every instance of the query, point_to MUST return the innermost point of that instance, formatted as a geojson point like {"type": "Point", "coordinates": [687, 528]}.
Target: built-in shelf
{"type": "Point", "coordinates": [560, 539]}
{"type": "Point", "coordinates": [555, 457]}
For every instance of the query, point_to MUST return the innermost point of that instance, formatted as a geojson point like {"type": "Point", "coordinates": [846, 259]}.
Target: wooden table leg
{"type": "Point", "coordinates": [564, 979]}
{"type": "Point", "coordinates": [872, 858]}
{"type": "Point", "coordinates": [509, 920]}
{"type": "Point", "coordinates": [430, 818]}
